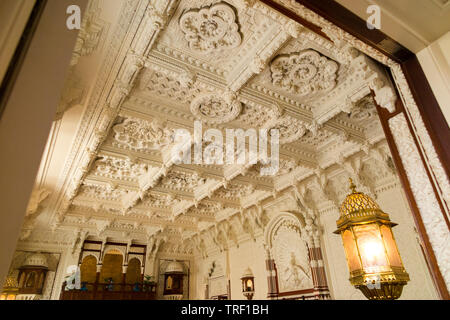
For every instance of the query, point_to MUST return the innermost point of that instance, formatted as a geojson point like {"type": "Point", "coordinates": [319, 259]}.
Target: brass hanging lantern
{"type": "Point", "coordinates": [10, 289]}
{"type": "Point", "coordinates": [372, 255]}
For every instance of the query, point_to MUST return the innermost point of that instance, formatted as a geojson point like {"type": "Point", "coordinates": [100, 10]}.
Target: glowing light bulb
{"type": "Point", "coordinates": [373, 250]}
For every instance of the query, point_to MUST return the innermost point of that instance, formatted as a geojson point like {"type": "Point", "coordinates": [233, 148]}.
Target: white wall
{"type": "Point", "coordinates": [250, 254]}
{"type": "Point", "coordinates": [435, 62]}
{"type": "Point", "coordinates": [27, 119]}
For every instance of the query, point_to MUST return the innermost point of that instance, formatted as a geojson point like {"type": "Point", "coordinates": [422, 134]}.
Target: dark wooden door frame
{"type": "Point", "coordinates": [430, 111]}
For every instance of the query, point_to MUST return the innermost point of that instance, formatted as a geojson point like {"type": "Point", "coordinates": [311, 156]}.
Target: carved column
{"type": "Point", "coordinates": [97, 279]}
{"type": "Point", "coordinates": [124, 276]}
{"type": "Point", "coordinates": [321, 290]}
{"type": "Point", "coordinates": [272, 291]}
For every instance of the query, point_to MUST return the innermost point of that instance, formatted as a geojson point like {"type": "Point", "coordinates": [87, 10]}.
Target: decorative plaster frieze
{"type": "Point", "coordinates": [422, 189]}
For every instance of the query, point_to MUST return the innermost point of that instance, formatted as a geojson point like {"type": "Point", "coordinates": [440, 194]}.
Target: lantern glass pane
{"type": "Point", "coordinates": [351, 251]}
{"type": "Point", "coordinates": [249, 285]}
{"type": "Point", "coordinates": [371, 248]}
{"type": "Point", "coordinates": [391, 247]}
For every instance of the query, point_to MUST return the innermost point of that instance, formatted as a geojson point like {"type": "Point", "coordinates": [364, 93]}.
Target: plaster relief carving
{"type": "Point", "coordinates": [363, 110]}
{"type": "Point", "coordinates": [211, 29]}
{"type": "Point", "coordinates": [216, 109]}
{"type": "Point", "coordinates": [117, 168]}
{"type": "Point", "coordinates": [37, 196]}
{"type": "Point", "coordinates": [294, 272]}
{"type": "Point", "coordinates": [304, 73]}
{"type": "Point", "coordinates": [90, 33]}
{"type": "Point", "coordinates": [290, 129]}
{"type": "Point", "coordinates": [72, 94]}
{"type": "Point", "coordinates": [181, 180]}
{"type": "Point", "coordinates": [101, 192]}
{"type": "Point", "coordinates": [140, 134]}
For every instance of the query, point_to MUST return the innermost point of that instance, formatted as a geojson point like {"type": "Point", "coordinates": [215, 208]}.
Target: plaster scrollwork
{"type": "Point", "coordinates": [139, 134]}
{"type": "Point", "coordinates": [304, 73]}
{"type": "Point", "coordinates": [211, 28]}
{"type": "Point", "coordinates": [290, 129]}
{"type": "Point", "coordinates": [216, 109]}
{"type": "Point", "coordinates": [286, 166]}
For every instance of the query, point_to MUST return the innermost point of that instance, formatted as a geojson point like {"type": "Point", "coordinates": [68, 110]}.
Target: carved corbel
{"type": "Point", "coordinates": [257, 65]}
{"type": "Point", "coordinates": [156, 18]}
{"type": "Point", "coordinates": [294, 29]}
{"type": "Point", "coordinates": [300, 198]}
{"type": "Point", "coordinates": [353, 168]}
{"type": "Point", "coordinates": [321, 181]}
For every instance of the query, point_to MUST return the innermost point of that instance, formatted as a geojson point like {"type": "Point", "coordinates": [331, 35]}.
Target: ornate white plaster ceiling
{"type": "Point", "coordinates": [231, 64]}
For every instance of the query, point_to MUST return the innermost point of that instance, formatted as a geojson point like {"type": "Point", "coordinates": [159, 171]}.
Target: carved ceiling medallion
{"type": "Point", "coordinates": [290, 129]}
{"type": "Point", "coordinates": [140, 134]}
{"type": "Point", "coordinates": [211, 29]}
{"type": "Point", "coordinates": [216, 109]}
{"type": "Point", "coordinates": [304, 73]}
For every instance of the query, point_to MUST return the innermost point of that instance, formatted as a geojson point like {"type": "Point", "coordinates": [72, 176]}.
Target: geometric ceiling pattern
{"type": "Point", "coordinates": [230, 64]}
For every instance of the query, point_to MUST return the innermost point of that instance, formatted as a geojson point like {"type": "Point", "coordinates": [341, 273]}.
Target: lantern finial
{"type": "Point", "coordinates": [352, 185]}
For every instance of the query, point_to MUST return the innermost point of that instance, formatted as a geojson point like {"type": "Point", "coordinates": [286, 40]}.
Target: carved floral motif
{"type": "Point", "coordinates": [140, 134]}
{"type": "Point", "coordinates": [118, 168]}
{"type": "Point", "coordinates": [290, 129]}
{"type": "Point", "coordinates": [101, 192]}
{"type": "Point", "coordinates": [211, 29]}
{"type": "Point", "coordinates": [304, 73]}
{"type": "Point", "coordinates": [216, 109]}
{"type": "Point", "coordinates": [179, 180]}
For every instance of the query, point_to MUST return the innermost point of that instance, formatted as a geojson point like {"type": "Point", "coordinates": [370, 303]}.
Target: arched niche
{"type": "Point", "coordinates": [285, 240]}
{"type": "Point", "coordinates": [112, 267]}
{"type": "Point", "coordinates": [165, 267]}
{"type": "Point", "coordinates": [88, 269]}
{"type": "Point", "coordinates": [133, 271]}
